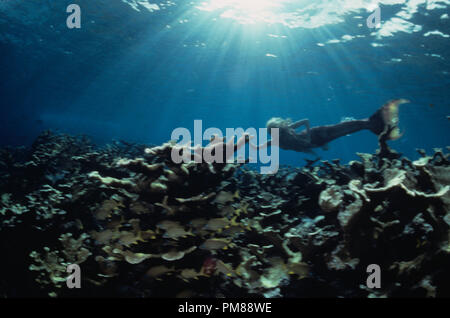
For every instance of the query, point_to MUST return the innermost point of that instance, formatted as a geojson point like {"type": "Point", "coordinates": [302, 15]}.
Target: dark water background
{"type": "Point", "coordinates": [137, 75]}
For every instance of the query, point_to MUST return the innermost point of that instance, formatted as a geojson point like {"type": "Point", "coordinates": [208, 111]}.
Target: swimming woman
{"type": "Point", "coordinates": [384, 120]}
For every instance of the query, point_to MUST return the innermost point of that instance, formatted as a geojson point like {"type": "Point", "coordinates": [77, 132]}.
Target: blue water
{"type": "Point", "coordinates": [136, 74]}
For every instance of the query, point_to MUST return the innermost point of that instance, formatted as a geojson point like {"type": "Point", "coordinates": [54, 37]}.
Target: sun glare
{"type": "Point", "coordinates": [252, 6]}
{"type": "Point", "coordinates": [245, 11]}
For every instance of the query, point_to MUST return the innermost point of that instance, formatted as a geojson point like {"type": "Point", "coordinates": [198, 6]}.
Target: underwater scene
{"type": "Point", "coordinates": [225, 149]}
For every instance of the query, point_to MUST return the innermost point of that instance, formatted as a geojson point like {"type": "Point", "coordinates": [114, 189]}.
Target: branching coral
{"type": "Point", "coordinates": [140, 224]}
{"type": "Point", "coordinates": [52, 265]}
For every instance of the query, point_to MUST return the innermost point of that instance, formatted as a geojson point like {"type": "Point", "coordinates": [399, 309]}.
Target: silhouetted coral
{"type": "Point", "coordinates": [139, 224]}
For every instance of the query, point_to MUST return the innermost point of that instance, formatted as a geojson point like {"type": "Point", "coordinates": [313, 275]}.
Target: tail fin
{"type": "Point", "coordinates": [387, 117]}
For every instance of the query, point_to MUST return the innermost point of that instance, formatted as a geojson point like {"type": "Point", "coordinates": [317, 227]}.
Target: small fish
{"type": "Point", "coordinates": [136, 258]}
{"type": "Point", "coordinates": [224, 197]}
{"type": "Point", "coordinates": [234, 230]}
{"type": "Point", "coordinates": [172, 255]}
{"type": "Point", "coordinates": [105, 236]}
{"type": "Point", "coordinates": [158, 271]}
{"type": "Point", "coordinates": [128, 238]}
{"type": "Point", "coordinates": [215, 244]}
{"type": "Point", "coordinates": [176, 232]}
{"type": "Point", "coordinates": [164, 225]}
{"type": "Point", "coordinates": [224, 268]}
{"type": "Point", "coordinates": [198, 223]}
{"type": "Point", "coordinates": [217, 224]}
{"type": "Point", "coordinates": [227, 211]}
{"type": "Point", "coordinates": [189, 273]}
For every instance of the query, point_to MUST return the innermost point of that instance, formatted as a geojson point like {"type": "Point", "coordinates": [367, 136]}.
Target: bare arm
{"type": "Point", "coordinates": [262, 146]}
{"type": "Point", "coordinates": [303, 122]}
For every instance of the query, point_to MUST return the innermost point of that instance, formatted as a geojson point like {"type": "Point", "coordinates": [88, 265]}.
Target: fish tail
{"type": "Point", "coordinates": [387, 118]}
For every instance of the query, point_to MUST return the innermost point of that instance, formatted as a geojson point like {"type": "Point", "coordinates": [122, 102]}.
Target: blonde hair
{"type": "Point", "coordinates": [278, 122]}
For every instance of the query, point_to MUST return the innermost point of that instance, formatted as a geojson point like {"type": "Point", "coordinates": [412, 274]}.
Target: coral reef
{"type": "Point", "coordinates": [140, 225]}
